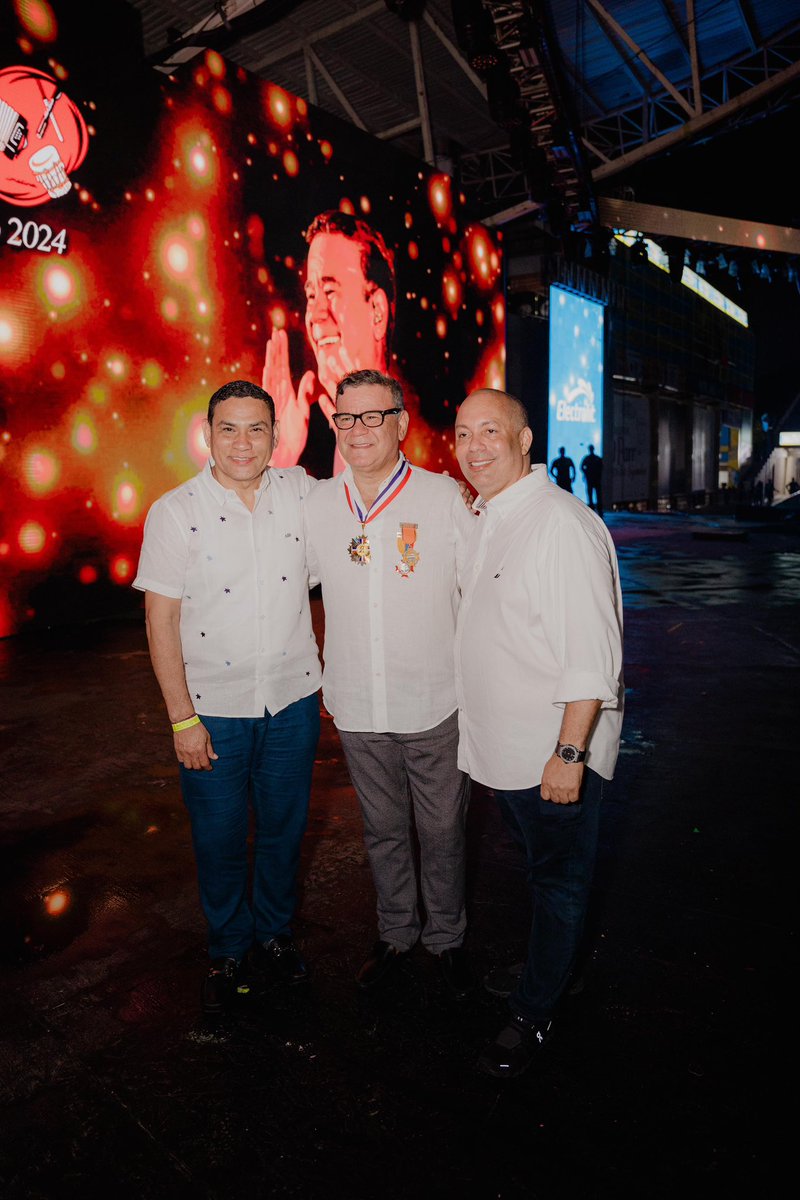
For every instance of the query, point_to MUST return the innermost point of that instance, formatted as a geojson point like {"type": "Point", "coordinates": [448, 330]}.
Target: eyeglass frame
{"type": "Point", "coordinates": [383, 413]}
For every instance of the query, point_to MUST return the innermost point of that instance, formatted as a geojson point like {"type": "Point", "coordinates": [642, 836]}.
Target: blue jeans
{"type": "Point", "coordinates": [560, 844]}
{"type": "Point", "coordinates": [267, 760]}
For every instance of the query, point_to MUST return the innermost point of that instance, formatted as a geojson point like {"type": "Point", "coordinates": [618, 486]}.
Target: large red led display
{"type": "Point", "coordinates": [154, 243]}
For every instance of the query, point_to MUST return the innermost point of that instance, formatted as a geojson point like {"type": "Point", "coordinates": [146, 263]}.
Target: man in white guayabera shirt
{"type": "Point", "coordinates": [540, 694]}
{"type": "Point", "coordinates": [383, 537]}
{"type": "Point", "coordinates": [229, 627]}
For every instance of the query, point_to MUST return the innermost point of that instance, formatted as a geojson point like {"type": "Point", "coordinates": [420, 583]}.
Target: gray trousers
{"type": "Point", "coordinates": [396, 775]}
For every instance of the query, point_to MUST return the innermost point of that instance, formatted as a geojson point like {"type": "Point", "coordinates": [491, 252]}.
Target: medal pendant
{"type": "Point", "coordinates": [359, 550]}
{"type": "Point", "coordinates": [409, 557]}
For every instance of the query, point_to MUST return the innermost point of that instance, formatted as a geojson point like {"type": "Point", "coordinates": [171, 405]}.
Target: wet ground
{"type": "Point", "coordinates": [663, 1077]}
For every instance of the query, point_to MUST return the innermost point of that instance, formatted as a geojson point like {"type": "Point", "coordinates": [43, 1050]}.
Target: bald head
{"type": "Point", "coordinates": [493, 440]}
{"type": "Point", "coordinates": [517, 412]}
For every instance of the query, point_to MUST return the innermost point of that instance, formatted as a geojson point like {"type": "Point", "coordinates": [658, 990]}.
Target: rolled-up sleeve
{"type": "Point", "coordinates": [582, 615]}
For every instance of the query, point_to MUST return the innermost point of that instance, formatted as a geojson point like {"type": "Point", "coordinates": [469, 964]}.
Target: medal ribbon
{"type": "Point", "coordinates": [384, 498]}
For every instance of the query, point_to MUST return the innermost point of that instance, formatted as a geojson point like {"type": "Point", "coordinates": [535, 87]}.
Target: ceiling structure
{"type": "Point", "coordinates": [538, 107]}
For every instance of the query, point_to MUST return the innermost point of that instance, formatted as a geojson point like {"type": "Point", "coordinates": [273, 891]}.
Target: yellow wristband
{"type": "Point", "coordinates": [187, 724]}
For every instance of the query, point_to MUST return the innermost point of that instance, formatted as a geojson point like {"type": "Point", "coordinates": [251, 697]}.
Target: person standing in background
{"type": "Point", "coordinates": [563, 470]}
{"type": "Point", "coordinates": [592, 471]}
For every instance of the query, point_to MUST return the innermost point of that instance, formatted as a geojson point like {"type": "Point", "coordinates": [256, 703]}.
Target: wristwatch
{"type": "Point", "coordinates": [568, 753]}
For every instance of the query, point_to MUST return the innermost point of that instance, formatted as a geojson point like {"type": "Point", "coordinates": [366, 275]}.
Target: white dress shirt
{"type": "Point", "coordinates": [540, 624]}
{"type": "Point", "coordinates": [242, 581]}
{"type": "Point", "coordinates": [388, 653]}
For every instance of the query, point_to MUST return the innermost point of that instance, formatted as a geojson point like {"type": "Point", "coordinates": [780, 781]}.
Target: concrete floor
{"type": "Point", "coordinates": [663, 1076]}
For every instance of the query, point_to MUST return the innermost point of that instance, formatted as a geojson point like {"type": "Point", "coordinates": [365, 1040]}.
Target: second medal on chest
{"type": "Point", "coordinates": [407, 545]}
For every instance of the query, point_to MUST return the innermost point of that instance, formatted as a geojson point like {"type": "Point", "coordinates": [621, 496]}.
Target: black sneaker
{"type": "Point", "coordinates": [281, 961]}
{"type": "Point", "coordinates": [219, 986]}
{"type": "Point", "coordinates": [502, 981]}
{"type": "Point", "coordinates": [514, 1049]}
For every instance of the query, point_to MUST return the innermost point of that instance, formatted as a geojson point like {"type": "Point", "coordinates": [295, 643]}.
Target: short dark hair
{"type": "Point", "coordinates": [240, 389]}
{"type": "Point", "coordinates": [377, 260]}
{"type": "Point", "coordinates": [375, 379]}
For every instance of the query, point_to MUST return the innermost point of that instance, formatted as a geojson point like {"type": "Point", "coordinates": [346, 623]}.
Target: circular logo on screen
{"type": "Point", "coordinates": [43, 137]}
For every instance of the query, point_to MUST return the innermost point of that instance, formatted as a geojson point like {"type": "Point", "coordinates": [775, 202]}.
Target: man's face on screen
{"type": "Point", "coordinates": [344, 320]}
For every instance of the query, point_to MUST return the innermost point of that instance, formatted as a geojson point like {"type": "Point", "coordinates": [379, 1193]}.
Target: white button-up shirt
{"type": "Point", "coordinates": [242, 581]}
{"type": "Point", "coordinates": [388, 653]}
{"type": "Point", "coordinates": [540, 624]}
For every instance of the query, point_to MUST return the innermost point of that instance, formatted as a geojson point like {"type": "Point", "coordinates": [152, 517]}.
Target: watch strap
{"type": "Point", "coordinates": [572, 755]}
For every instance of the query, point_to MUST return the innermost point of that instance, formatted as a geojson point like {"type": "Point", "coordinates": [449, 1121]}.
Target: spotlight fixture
{"type": "Point", "coordinates": [475, 34]}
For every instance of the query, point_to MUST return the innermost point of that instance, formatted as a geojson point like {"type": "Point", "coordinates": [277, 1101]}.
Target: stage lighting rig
{"type": "Point", "coordinates": [504, 97]}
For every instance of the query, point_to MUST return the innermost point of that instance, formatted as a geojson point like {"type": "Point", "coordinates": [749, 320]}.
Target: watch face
{"type": "Point", "coordinates": [568, 754]}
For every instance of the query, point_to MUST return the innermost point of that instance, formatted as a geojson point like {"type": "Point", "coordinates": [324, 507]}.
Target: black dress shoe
{"type": "Point", "coordinates": [379, 965]}
{"type": "Point", "coordinates": [281, 961]}
{"type": "Point", "coordinates": [457, 971]}
{"type": "Point", "coordinates": [514, 1049]}
{"type": "Point", "coordinates": [219, 986]}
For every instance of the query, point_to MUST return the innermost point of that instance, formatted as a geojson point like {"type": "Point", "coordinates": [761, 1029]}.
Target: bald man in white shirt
{"type": "Point", "coordinates": [539, 682]}
{"type": "Point", "coordinates": [384, 537]}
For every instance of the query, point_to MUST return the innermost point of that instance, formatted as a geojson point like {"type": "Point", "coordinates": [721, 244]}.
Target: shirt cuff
{"type": "Point", "coordinates": [142, 584]}
{"type": "Point", "coordinates": [587, 685]}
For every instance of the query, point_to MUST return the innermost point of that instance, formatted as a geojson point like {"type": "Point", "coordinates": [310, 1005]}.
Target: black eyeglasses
{"type": "Point", "coordinates": [372, 418]}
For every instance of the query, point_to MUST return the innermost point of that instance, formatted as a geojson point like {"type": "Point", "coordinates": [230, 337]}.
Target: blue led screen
{"type": "Point", "coordinates": [575, 393]}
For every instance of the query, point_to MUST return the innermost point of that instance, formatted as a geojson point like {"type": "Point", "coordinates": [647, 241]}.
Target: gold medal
{"type": "Point", "coordinates": [359, 550]}
{"type": "Point", "coordinates": [409, 557]}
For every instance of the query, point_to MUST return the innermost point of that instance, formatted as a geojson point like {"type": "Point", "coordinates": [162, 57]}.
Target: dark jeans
{"type": "Point", "coordinates": [267, 761]}
{"type": "Point", "coordinates": [560, 844]}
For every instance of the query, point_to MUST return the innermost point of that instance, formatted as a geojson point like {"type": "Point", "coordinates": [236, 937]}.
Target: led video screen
{"type": "Point", "coordinates": [575, 388]}
{"type": "Point", "coordinates": [161, 235]}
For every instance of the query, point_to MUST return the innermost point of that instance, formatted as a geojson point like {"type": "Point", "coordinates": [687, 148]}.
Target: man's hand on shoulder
{"type": "Point", "coordinates": [467, 495]}
{"type": "Point", "coordinates": [193, 748]}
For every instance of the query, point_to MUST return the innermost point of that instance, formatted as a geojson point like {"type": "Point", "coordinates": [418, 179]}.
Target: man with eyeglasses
{"type": "Point", "coordinates": [383, 537]}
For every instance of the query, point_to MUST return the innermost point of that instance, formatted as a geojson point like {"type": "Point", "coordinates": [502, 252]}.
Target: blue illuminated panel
{"type": "Point", "coordinates": [575, 410]}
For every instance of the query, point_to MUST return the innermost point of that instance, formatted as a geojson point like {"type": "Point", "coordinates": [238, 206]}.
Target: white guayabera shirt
{"type": "Point", "coordinates": [242, 581]}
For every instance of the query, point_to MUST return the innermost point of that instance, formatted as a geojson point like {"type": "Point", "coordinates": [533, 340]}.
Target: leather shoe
{"type": "Point", "coordinates": [380, 963]}
{"type": "Point", "coordinates": [514, 1049]}
{"type": "Point", "coordinates": [457, 971]}
{"type": "Point", "coordinates": [219, 986]}
{"type": "Point", "coordinates": [281, 961]}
